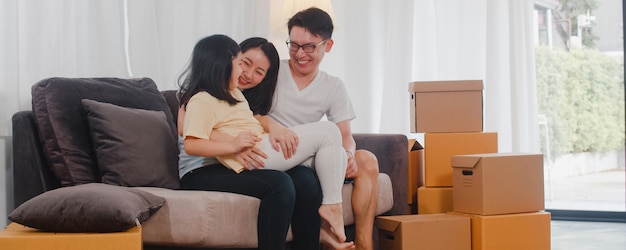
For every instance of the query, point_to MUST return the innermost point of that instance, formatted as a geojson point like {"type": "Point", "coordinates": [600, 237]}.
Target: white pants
{"type": "Point", "coordinates": [319, 147]}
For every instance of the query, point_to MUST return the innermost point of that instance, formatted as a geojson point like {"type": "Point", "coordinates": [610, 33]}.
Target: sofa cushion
{"type": "Point", "coordinates": [134, 147]}
{"type": "Point", "coordinates": [62, 121]}
{"type": "Point", "coordinates": [173, 226]}
{"type": "Point", "coordinates": [93, 207]}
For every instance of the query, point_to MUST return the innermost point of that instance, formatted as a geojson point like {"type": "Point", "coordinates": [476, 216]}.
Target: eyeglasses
{"type": "Point", "coordinates": [308, 48]}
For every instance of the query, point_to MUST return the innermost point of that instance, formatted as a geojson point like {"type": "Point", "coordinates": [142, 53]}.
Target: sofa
{"type": "Point", "coordinates": [58, 134]}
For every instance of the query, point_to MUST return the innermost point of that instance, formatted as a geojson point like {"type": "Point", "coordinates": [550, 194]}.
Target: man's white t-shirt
{"type": "Point", "coordinates": [326, 95]}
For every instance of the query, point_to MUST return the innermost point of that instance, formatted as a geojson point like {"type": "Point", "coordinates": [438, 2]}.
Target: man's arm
{"type": "Point", "coordinates": [348, 143]}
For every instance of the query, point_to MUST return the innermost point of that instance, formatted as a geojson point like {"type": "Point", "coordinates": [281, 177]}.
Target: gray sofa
{"type": "Point", "coordinates": [188, 219]}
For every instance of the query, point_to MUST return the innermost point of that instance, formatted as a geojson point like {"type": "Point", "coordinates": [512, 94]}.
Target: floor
{"type": "Point", "coordinates": [602, 191]}
{"type": "Point", "coordinates": [568, 235]}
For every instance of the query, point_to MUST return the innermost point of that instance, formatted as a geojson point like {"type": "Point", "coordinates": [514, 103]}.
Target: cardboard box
{"type": "Point", "coordinates": [440, 147]}
{"type": "Point", "coordinates": [424, 232]}
{"type": "Point", "coordinates": [446, 106]}
{"type": "Point", "coordinates": [19, 237]}
{"type": "Point", "coordinates": [433, 200]}
{"type": "Point", "coordinates": [499, 183]}
{"type": "Point", "coordinates": [511, 231]}
{"type": "Point", "coordinates": [416, 168]}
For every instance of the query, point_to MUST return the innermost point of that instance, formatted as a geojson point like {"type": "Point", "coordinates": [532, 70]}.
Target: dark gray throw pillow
{"type": "Point", "coordinates": [62, 123]}
{"type": "Point", "coordinates": [134, 147]}
{"type": "Point", "coordinates": [93, 207]}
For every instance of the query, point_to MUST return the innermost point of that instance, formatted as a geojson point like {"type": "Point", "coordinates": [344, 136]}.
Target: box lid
{"type": "Point", "coordinates": [471, 160]}
{"type": "Point", "coordinates": [391, 223]}
{"type": "Point", "coordinates": [465, 161]}
{"type": "Point", "coordinates": [387, 223]}
{"type": "Point", "coordinates": [442, 86]}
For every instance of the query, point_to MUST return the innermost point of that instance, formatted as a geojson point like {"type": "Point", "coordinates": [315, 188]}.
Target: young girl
{"type": "Point", "coordinates": [212, 102]}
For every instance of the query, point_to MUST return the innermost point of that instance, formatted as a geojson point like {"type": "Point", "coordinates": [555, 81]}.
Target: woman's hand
{"type": "Point", "coordinates": [283, 139]}
{"type": "Point", "coordinates": [251, 158]}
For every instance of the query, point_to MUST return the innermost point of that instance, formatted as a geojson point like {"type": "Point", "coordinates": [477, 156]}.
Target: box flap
{"type": "Point", "coordinates": [441, 86]}
{"type": "Point", "coordinates": [414, 145]}
{"type": "Point", "coordinates": [465, 161]}
{"type": "Point", "coordinates": [387, 223]}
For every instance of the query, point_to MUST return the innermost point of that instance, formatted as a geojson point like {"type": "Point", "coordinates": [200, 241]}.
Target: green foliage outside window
{"type": "Point", "coordinates": [581, 93]}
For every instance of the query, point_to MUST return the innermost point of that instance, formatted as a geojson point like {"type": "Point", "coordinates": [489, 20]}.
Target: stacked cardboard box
{"type": "Point", "coordinates": [416, 169]}
{"type": "Point", "coordinates": [450, 114]}
{"type": "Point", "coordinates": [464, 176]}
{"type": "Point", "coordinates": [502, 194]}
{"type": "Point", "coordinates": [424, 232]}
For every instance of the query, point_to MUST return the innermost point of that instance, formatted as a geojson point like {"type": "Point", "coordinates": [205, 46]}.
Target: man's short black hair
{"type": "Point", "coordinates": [315, 20]}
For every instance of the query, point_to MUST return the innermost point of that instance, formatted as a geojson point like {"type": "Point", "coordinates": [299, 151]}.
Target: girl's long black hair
{"type": "Point", "coordinates": [210, 69]}
{"type": "Point", "coordinates": [261, 96]}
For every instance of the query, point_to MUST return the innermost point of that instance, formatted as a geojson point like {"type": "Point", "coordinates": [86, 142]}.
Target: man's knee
{"type": "Point", "coordinates": [367, 162]}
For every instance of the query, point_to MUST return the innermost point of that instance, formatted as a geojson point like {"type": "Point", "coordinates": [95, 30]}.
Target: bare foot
{"type": "Point", "coordinates": [330, 242]}
{"type": "Point", "coordinates": [333, 215]}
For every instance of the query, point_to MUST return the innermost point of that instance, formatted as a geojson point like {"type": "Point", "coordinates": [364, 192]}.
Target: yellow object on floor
{"type": "Point", "coordinates": [19, 237]}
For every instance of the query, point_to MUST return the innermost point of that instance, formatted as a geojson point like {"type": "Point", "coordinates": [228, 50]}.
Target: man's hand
{"type": "Point", "coordinates": [283, 139]}
{"type": "Point", "coordinates": [352, 167]}
{"type": "Point", "coordinates": [251, 158]}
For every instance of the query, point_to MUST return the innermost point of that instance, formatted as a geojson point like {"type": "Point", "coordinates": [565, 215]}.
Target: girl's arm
{"type": "Point", "coordinates": [250, 156]}
{"type": "Point", "coordinates": [211, 148]}
{"type": "Point", "coordinates": [180, 119]}
{"type": "Point", "coordinates": [215, 135]}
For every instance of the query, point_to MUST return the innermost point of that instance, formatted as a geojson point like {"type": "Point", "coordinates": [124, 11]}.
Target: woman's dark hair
{"type": "Point", "coordinates": [315, 20]}
{"type": "Point", "coordinates": [261, 96]}
{"type": "Point", "coordinates": [210, 69]}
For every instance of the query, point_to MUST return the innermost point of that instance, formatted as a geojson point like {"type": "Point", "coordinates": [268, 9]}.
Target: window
{"type": "Point", "coordinates": [580, 90]}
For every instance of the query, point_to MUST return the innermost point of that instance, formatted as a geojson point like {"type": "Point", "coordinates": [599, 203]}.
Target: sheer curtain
{"type": "Point", "coordinates": [491, 40]}
{"type": "Point", "coordinates": [380, 46]}
{"type": "Point", "coordinates": [104, 38]}
{"type": "Point", "coordinates": [76, 38]}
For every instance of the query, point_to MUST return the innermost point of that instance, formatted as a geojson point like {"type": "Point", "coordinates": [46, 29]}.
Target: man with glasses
{"type": "Point", "coordinates": [304, 94]}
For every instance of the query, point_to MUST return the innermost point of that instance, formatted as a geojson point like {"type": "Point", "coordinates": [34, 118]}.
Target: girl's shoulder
{"type": "Point", "coordinates": [203, 97]}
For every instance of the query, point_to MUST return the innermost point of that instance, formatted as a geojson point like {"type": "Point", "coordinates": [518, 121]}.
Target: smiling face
{"type": "Point", "coordinates": [300, 62]}
{"type": "Point", "coordinates": [236, 71]}
{"type": "Point", "coordinates": [255, 66]}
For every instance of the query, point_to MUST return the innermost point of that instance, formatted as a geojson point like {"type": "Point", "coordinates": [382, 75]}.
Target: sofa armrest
{"type": "Point", "coordinates": [31, 174]}
{"type": "Point", "coordinates": [391, 151]}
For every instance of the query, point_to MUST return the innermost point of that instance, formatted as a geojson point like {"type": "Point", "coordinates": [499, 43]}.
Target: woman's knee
{"type": "Point", "coordinates": [329, 128]}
